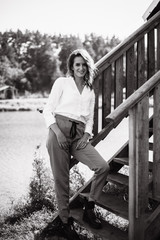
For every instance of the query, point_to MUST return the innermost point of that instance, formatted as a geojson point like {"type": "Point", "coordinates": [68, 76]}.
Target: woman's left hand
{"type": "Point", "coordinates": [82, 143]}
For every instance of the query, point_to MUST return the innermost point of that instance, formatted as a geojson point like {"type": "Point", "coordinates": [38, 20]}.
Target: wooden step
{"type": "Point", "coordinates": [112, 202]}
{"type": "Point", "coordinates": [118, 178]}
{"type": "Point", "coordinates": [108, 232]}
{"type": "Point", "coordinates": [123, 161]}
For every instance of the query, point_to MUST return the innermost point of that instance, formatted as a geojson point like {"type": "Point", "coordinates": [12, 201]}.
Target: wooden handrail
{"type": "Point", "coordinates": [102, 134]}
{"type": "Point", "coordinates": [105, 61]}
{"type": "Point", "coordinates": [122, 110]}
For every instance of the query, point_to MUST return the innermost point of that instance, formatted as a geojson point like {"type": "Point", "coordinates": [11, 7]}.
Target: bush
{"type": "Point", "coordinates": [41, 188]}
{"type": "Point", "coordinates": [37, 209]}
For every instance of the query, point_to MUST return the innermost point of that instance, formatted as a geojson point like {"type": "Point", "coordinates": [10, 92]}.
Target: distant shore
{"type": "Point", "coordinates": [25, 104]}
{"type": "Point", "coordinates": [32, 104]}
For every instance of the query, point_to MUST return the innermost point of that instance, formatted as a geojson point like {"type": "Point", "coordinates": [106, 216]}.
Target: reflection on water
{"type": "Point", "coordinates": [20, 133]}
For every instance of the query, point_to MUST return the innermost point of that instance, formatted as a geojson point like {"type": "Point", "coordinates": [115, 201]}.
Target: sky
{"type": "Point", "coordinates": [78, 17]}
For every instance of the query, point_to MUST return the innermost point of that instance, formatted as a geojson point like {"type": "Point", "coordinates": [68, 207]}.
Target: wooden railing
{"type": "Point", "coordinates": [137, 107]}
{"type": "Point", "coordinates": [128, 79]}
{"type": "Point", "coordinates": [144, 183]}
{"type": "Point", "coordinates": [126, 68]}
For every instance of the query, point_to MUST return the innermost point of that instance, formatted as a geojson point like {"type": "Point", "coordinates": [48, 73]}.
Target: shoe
{"type": "Point", "coordinates": [60, 229]}
{"type": "Point", "coordinates": [90, 217]}
{"type": "Point", "coordinates": [53, 228]}
{"type": "Point", "coordinates": [69, 231]}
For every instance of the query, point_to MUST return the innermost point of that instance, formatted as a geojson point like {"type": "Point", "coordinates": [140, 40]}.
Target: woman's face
{"type": "Point", "coordinates": [79, 67]}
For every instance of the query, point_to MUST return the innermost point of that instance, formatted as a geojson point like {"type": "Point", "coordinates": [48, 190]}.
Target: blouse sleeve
{"type": "Point", "coordinates": [89, 123]}
{"type": "Point", "coordinates": [53, 101]}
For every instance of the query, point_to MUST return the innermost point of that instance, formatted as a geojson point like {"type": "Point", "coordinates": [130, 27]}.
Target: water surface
{"type": "Point", "coordinates": [20, 133]}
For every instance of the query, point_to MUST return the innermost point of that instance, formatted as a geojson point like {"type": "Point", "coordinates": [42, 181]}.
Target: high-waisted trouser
{"type": "Point", "coordinates": [60, 161]}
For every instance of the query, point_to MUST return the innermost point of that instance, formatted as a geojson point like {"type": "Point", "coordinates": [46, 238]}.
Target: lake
{"type": "Point", "coordinates": [20, 133]}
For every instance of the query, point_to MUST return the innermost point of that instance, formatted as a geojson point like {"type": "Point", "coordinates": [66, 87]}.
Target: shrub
{"type": "Point", "coordinates": [41, 188]}
{"type": "Point", "coordinates": [37, 209]}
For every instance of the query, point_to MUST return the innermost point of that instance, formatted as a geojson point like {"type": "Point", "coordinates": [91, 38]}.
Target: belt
{"type": "Point", "coordinates": [73, 130]}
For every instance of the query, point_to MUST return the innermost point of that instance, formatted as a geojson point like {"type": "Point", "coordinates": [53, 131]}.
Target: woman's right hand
{"type": "Point", "coordinates": [62, 141]}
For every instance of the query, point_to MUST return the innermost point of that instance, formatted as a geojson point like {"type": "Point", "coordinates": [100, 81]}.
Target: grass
{"type": "Point", "coordinates": [32, 214]}
{"type": "Point", "coordinates": [26, 227]}
{"type": "Point", "coordinates": [28, 217]}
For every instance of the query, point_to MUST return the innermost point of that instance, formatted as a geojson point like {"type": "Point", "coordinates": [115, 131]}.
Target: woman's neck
{"type": "Point", "coordinates": [79, 81]}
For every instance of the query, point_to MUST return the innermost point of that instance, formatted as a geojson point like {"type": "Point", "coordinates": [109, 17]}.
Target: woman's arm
{"type": "Point", "coordinates": [52, 102]}
{"type": "Point", "coordinates": [83, 141]}
{"type": "Point", "coordinates": [89, 125]}
{"type": "Point", "coordinates": [48, 112]}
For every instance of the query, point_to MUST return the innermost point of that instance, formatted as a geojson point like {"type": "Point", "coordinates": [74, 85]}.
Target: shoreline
{"type": "Point", "coordinates": [33, 104]}
{"type": "Point", "coordinates": [26, 104]}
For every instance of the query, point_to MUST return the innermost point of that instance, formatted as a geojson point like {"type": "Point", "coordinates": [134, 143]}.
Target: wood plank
{"type": "Point", "coordinates": [132, 182]}
{"type": "Point", "coordinates": [138, 170]}
{"type": "Point", "coordinates": [152, 217]}
{"type": "Point", "coordinates": [108, 231]}
{"type": "Point", "coordinates": [121, 111]}
{"type": "Point", "coordinates": [96, 109]}
{"type": "Point", "coordinates": [118, 178]}
{"type": "Point", "coordinates": [106, 93]}
{"type": "Point", "coordinates": [116, 162]}
{"type": "Point", "coordinates": [112, 203]}
{"type": "Point", "coordinates": [158, 47]}
{"type": "Point", "coordinates": [140, 62]}
{"type": "Point", "coordinates": [153, 230]}
{"type": "Point", "coordinates": [102, 134]}
{"type": "Point", "coordinates": [123, 161]}
{"type": "Point", "coordinates": [151, 54]}
{"type": "Point", "coordinates": [119, 81]}
{"type": "Point", "coordinates": [156, 146]}
{"type": "Point", "coordinates": [130, 71]}
{"type": "Point", "coordinates": [142, 133]}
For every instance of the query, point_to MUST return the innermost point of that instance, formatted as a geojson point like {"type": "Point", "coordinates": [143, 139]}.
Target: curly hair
{"type": "Point", "coordinates": [91, 69]}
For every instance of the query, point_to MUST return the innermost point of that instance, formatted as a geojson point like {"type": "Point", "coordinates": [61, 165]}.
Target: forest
{"type": "Point", "coordinates": [31, 61]}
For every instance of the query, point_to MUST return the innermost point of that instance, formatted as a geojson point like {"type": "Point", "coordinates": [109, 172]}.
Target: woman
{"type": "Point", "coordinates": [69, 116]}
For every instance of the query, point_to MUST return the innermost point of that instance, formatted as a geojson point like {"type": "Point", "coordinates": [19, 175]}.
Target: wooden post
{"type": "Point", "coordinates": [156, 145]}
{"type": "Point", "coordinates": [158, 47]}
{"type": "Point", "coordinates": [138, 168]}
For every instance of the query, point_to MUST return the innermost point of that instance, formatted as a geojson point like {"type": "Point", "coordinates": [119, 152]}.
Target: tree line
{"type": "Point", "coordinates": [31, 61]}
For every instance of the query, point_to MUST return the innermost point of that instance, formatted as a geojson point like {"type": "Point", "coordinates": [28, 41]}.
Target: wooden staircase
{"type": "Point", "coordinates": [132, 68]}
{"type": "Point", "coordinates": [117, 203]}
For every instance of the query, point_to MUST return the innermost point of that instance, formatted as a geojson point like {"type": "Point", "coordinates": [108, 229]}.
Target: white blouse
{"type": "Point", "coordinates": [65, 99]}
